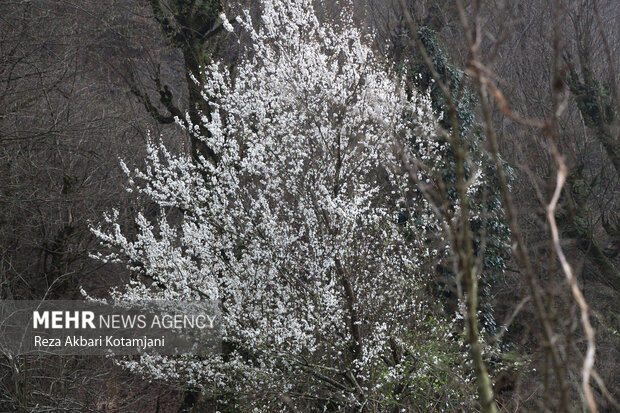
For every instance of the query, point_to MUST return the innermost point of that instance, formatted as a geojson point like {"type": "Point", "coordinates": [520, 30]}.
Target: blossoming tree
{"type": "Point", "coordinates": [293, 226]}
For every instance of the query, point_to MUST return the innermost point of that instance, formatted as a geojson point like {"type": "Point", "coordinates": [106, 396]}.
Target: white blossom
{"type": "Point", "coordinates": [295, 228]}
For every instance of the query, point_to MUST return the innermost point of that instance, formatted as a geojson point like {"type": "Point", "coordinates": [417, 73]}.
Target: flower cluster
{"type": "Point", "coordinates": [295, 228]}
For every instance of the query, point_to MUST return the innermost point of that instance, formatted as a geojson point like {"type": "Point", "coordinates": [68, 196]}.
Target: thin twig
{"type": "Point", "coordinates": [588, 362]}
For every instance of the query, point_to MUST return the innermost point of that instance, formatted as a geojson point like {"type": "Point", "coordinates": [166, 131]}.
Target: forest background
{"type": "Point", "coordinates": [85, 83]}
